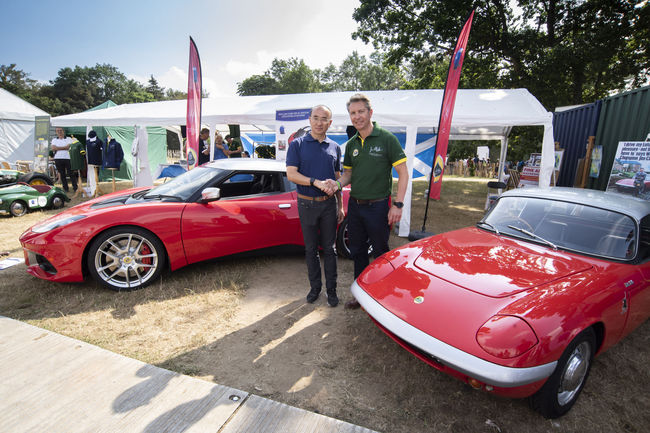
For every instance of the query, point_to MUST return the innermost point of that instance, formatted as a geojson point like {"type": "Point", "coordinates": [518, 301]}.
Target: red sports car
{"type": "Point", "coordinates": [125, 239]}
{"type": "Point", "coordinates": [520, 304]}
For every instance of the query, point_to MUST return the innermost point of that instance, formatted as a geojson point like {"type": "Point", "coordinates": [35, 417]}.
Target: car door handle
{"type": "Point", "coordinates": [285, 206]}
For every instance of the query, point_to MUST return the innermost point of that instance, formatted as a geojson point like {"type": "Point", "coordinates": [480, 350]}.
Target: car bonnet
{"type": "Point", "coordinates": [494, 265]}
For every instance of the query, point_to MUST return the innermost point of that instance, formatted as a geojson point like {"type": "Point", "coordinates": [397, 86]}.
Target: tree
{"type": "Point", "coordinates": [358, 73]}
{"type": "Point", "coordinates": [258, 85]}
{"type": "Point", "coordinates": [294, 76]}
{"type": "Point", "coordinates": [564, 51]}
{"type": "Point", "coordinates": [157, 92]}
{"type": "Point", "coordinates": [15, 80]}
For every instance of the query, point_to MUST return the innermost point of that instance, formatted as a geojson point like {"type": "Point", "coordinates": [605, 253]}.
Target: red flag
{"type": "Point", "coordinates": [193, 121]}
{"type": "Point", "coordinates": [447, 110]}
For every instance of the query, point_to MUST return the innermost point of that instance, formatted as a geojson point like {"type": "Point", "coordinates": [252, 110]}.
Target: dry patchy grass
{"type": "Point", "coordinates": [243, 322]}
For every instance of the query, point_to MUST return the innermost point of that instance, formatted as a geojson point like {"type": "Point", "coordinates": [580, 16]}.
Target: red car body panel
{"type": "Point", "coordinates": [235, 227]}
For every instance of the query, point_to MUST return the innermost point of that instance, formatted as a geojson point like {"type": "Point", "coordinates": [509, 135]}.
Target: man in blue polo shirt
{"type": "Point", "coordinates": [313, 164]}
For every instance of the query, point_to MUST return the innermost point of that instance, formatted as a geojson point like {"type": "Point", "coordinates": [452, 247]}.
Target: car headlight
{"type": "Point", "coordinates": [506, 336]}
{"type": "Point", "coordinates": [51, 225]}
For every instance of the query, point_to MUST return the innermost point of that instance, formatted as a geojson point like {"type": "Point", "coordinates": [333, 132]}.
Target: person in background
{"type": "Point", "coordinates": [220, 150]}
{"type": "Point", "coordinates": [234, 146]}
{"type": "Point", "coordinates": [313, 164]}
{"type": "Point", "coordinates": [204, 146]}
{"type": "Point", "coordinates": [370, 156]}
{"type": "Point", "coordinates": [61, 148]}
{"type": "Point", "coordinates": [245, 154]}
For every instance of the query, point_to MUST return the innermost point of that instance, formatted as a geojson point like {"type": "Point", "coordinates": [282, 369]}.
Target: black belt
{"type": "Point", "coordinates": [319, 198]}
{"type": "Point", "coordinates": [358, 201]}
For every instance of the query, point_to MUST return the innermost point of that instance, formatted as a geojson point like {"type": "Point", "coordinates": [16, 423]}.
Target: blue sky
{"type": "Point", "coordinates": [141, 37]}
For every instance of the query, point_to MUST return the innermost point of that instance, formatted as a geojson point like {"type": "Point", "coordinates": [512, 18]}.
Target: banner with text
{"type": "Point", "coordinates": [630, 168]}
{"type": "Point", "coordinates": [289, 125]}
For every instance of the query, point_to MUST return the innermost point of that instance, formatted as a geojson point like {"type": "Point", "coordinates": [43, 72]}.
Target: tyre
{"type": "Point", "coordinates": [35, 178]}
{"type": "Point", "coordinates": [58, 201]}
{"type": "Point", "coordinates": [126, 258]}
{"type": "Point", "coordinates": [343, 241]}
{"type": "Point", "coordinates": [18, 208]}
{"type": "Point", "coordinates": [563, 387]}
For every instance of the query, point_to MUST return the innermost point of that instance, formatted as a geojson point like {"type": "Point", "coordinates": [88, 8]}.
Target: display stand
{"type": "Point", "coordinates": [80, 188]}
{"type": "Point", "coordinates": [113, 174]}
{"type": "Point", "coordinates": [97, 191]}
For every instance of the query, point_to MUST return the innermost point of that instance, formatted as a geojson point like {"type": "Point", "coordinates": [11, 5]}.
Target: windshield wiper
{"type": "Point", "coordinates": [489, 225]}
{"type": "Point", "coordinates": [534, 236]}
{"type": "Point", "coordinates": [139, 194]}
{"type": "Point", "coordinates": [161, 196]}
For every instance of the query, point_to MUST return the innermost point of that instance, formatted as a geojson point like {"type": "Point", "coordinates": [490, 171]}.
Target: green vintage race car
{"type": "Point", "coordinates": [32, 178]}
{"type": "Point", "coordinates": [19, 198]}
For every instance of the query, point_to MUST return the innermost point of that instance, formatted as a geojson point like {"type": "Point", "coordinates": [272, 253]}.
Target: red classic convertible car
{"type": "Point", "coordinates": [125, 239]}
{"type": "Point", "coordinates": [520, 304]}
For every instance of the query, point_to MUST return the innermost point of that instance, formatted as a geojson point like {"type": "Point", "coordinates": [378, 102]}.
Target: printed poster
{"type": "Point", "coordinates": [289, 125]}
{"type": "Point", "coordinates": [596, 160]}
{"type": "Point", "coordinates": [629, 173]}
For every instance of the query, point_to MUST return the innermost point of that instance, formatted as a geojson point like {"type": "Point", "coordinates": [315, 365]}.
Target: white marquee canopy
{"type": "Point", "coordinates": [479, 114]}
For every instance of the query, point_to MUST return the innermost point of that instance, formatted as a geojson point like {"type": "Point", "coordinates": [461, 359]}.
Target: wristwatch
{"type": "Point", "coordinates": [398, 204]}
{"type": "Point", "coordinates": [311, 181]}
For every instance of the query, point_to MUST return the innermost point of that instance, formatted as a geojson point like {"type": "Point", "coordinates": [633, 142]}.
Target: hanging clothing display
{"type": "Point", "coordinates": [77, 155]}
{"type": "Point", "coordinates": [113, 154]}
{"type": "Point", "coordinates": [141, 173]}
{"type": "Point", "coordinates": [94, 149]}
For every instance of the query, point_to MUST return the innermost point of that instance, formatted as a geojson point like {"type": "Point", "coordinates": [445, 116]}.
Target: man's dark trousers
{"type": "Point", "coordinates": [367, 222]}
{"type": "Point", "coordinates": [318, 223]}
{"type": "Point", "coordinates": [63, 167]}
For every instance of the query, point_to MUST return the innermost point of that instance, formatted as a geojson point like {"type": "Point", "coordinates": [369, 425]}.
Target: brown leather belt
{"type": "Point", "coordinates": [358, 201]}
{"type": "Point", "coordinates": [319, 198]}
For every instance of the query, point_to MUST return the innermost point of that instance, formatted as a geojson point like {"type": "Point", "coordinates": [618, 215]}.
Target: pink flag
{"type": "Point", "coordinates": [447, 110]}
{"type": "Point", "coordinates": [193, 123]}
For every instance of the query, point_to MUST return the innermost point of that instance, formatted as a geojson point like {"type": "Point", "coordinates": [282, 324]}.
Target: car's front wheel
{"type": "Point", "coordinates": [563, 387]}
{"type": "Point", "coordinates": [126, 258]}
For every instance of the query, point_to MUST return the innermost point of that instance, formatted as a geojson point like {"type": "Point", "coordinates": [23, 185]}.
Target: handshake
{"type": "Point", "coordinates": [328, 186]}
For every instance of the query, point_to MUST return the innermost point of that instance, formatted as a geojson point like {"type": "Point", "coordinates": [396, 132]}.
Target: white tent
{"type": "Point", "coordinates": [478, 115]}
{"type": "Point", "coordinates": [17, 127]}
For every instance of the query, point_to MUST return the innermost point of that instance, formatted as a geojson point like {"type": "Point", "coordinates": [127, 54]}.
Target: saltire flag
{"type": "Point", "coordinates": [447, 110]}
{"type": "Point", "coordinates": [193, 120]}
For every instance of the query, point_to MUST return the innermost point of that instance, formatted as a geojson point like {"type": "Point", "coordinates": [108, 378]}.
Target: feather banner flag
{"type": "Point", "coordinates": [447, 110]}
{"type": "Point", "coordinates": [193, 121]}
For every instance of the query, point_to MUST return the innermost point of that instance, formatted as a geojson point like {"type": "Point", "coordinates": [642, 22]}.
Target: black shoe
{"type": "Point", "coordinates": [313, 295]}
{"type": "Point", "coordinates": [332, 299]}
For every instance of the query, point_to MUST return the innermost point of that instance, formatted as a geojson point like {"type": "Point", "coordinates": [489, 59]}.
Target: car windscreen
{"type": "Point", "coordinates": [188, 183]}
{"type": "Point", "coordinates": [575, 227]}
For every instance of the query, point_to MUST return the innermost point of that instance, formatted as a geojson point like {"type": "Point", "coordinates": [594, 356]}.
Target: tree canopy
{"type": "Point", "coordinates": [564, 51]}
{"type": "Point", "coordinates": [356, 72]}
{"type": "Point", "coordinates": [77, 89]}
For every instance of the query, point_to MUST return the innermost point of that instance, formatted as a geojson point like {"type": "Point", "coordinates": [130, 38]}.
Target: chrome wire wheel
{"type": "Point", "coordinates": [127, 260]}
{"type": "Point", "coordinates": [574, 373]}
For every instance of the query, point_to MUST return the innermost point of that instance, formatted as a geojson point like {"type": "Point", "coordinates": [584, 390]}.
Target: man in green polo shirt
{"type": "Point", "coordinates": [370, 156]}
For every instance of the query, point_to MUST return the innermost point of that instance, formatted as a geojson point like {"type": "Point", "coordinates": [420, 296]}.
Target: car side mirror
{"type": "Point", "coordinates": [210, 194]}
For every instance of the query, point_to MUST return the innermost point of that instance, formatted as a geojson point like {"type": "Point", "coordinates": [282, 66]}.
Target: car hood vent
{"type": "Point", "coordinates": [493, 265]}
{"type": "Point", "coordinates": [113, 201]}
